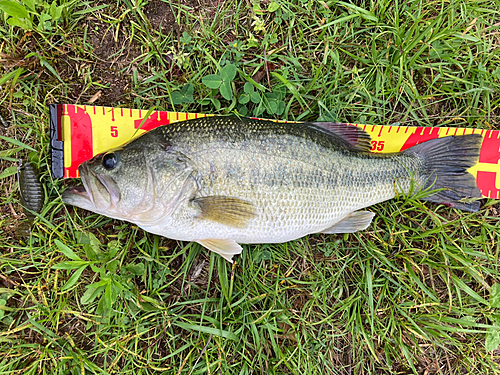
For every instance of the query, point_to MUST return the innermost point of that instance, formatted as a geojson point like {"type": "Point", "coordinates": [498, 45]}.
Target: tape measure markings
{"type": "Point", "coordinates": [87, 132]}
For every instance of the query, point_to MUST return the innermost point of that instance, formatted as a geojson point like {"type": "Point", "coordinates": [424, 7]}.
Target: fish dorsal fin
{"type": "Point", "coordinates": [353, 222]}
{"type": "Point", "coordinates": [357, 138]}
{"type": "Point", "coordinates": [225, 248]}
{"type": "Point", "coordinates": [230, 211]}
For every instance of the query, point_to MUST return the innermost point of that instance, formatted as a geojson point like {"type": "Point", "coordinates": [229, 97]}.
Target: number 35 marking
{"type": "Point", "coordinates": [377, 145]}
{"type": "Point", "coordinates": [114, 131]}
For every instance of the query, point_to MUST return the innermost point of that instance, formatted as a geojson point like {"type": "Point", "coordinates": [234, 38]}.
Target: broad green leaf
{"type": "Point", "coordinates": [91, 294]}
{"type": "Point", "coordinates": [216, 103]}
{"type": "Point", "coordinates": [8, 76]}
{"type": "Point", "coordinates": [272, 106]}
{"type": "Point", "coordinates": [14, 9]}
{"type": "Point", "coordinates": [492, 340]}
{"type": "Point", "coordinates": [66, 250]}
{"type": "Point", "coordinates": [101, 283]}
{"type": "Point", "coordinates": [255, 97]}
{"type": "Point", "coordinates": [74, 278]}
{"type": "Point", "coordinates": [273, 6]}
{"type": "Point", "coordinates": [17, 143]}
{"type": "Point", "coordinates": [280, 92]}
{"type": "Point", "coordinates": [59, 11]}
{"type": "Point", "coordinates": [101, 307]}
{"type": "Point", "coordinates": [177, 97]}
{"type": "Point", "coordinates": [271, 96]}
{"type": "Point", "coordinates": [113, 265]}
{"type": "Point", "coordinates": [243, 110]}
{"type": "Point", "coordinates": [188, 89]}
{"type": "Point", "coordinates": [55, 11]}
{"type": "Point", "coordinates": [113, 248]}
{"type": "Point", "coordinates": [212, 81]}
{"type": "Point", "coordinates": [135, 269]}
{"type": "Point", "coordinates": [71, 265]}
{"type": "Point", "coordinates": [9, 171]}
{"type": "Point", "coordinates": [249, 88]}
{"type": "Point", "coordinates": [30, 4]}
{"type": "Point", "coordinates": [226, 91]}
{"type": "Point", "coordinates": [495, 295]}
{"type": "Point", "coordinates": [24, 24]}
{"type": "Point", "coordinates": [96, 269]}
{"type": "Point", "coordinates": [244, 99]}
{"type": "Point", "coordinates": [107, 296]}
{"type": "Point", "coordinates": [281, 107]}
{"type": "Point", "coordinates": [228, 73]}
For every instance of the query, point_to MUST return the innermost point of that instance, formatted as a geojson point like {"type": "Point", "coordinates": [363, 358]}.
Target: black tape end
{"type": "Point", "coordinates": [56, 142]}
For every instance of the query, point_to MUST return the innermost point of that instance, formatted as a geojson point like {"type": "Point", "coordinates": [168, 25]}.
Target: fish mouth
{"type": "Point", "coordinates": [98, 193]}
{"type": "Point", "coordinates": [79, 197]}
{"type": "Point", "coordinates": [80, 190]}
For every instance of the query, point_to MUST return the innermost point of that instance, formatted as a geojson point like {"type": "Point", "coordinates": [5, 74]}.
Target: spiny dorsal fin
{"type": "Point", "coordinates": [357, 138]}
{"type": "Point", "coordinates": [225, 248]}
{"type": "Point", "coordinates": [353, 222]}
{"type": "Point", "coordinates": [230, 211]}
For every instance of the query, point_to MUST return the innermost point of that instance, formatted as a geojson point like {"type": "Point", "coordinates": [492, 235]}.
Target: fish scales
{"type": "Point", "coordinates": [299, 181]}
{"type": "Point", "coordinates": [222, 181]}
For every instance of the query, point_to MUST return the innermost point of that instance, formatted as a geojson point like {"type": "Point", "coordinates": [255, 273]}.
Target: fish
{"type": "Point", "coordinates": [223, 181]}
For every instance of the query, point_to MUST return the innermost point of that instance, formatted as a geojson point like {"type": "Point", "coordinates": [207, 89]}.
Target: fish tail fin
{"type": "Point", "coordinates": [446, 162]}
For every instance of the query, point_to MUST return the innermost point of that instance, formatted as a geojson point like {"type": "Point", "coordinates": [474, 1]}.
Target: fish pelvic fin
{"type": "Point", "coordinates": [230, 211]}
{"type": "Point", "coordinates": [225, 248]}
{"type": "Point", "coordinates": [446, 162]}
{"type": "Point", "coordinates": [353, 222]}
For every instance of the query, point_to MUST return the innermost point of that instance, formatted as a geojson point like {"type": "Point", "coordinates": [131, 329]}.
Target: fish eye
{"type": "Point", "coordinates": [109, 161]}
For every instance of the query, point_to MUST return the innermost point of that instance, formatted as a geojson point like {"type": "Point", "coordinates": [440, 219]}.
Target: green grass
{"type": "Point", "coordinates": [416, 293]}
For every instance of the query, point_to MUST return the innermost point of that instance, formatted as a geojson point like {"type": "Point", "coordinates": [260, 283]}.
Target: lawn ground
{"type": "Point", "coordinates": [416, 293]}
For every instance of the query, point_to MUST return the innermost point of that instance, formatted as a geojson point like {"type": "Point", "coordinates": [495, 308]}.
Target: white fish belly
{"type": "Point", "coordinates": [281, 215]}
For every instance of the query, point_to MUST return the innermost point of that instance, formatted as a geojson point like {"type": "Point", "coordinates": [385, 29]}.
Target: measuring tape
{"type": "Point", "coordinates": [79, 132]}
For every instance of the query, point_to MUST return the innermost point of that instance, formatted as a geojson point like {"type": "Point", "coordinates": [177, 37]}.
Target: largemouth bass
{"type": "Point", "coordinates": [222, 181]}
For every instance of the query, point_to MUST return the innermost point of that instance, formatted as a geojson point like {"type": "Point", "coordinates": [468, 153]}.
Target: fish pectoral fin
{"type": "Point", "coordinates": [353, 222]}
{"type": "Point", "coordinates": [225, 248]}
{"type": "Point", "coordinates": [230, 211]}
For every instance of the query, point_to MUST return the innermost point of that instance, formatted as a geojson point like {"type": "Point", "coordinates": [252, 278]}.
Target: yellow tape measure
{"type": "Point", "coordinates": [80, 132]}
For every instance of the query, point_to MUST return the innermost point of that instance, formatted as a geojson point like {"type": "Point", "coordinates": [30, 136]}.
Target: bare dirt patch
{"type": "Point", "coordinates": [161, 17]}
{"type": "Point", "coordinates": [114, 54]}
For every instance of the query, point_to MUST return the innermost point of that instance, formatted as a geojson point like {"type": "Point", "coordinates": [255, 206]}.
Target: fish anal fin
{"type": "Point", "coordinates": [230, 211]}
{"type": "Point", "coordinates": [225, 248]}
{"type": "Point", "coordinates": [357, 138]}
{"type": "Point", "coordinates": [353, 222]}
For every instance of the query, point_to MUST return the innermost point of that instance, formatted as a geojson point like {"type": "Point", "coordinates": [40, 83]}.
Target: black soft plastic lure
{"type": "Point", "coordinates": [32, 195]}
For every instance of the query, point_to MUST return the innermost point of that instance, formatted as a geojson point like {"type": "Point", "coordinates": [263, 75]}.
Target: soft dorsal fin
{"type": "Point", "coordinates": [225, 248]}
{"type": "Point", "coordinates": [230, 211]}
{"type": "Point", "coordinates": [357, 138]}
